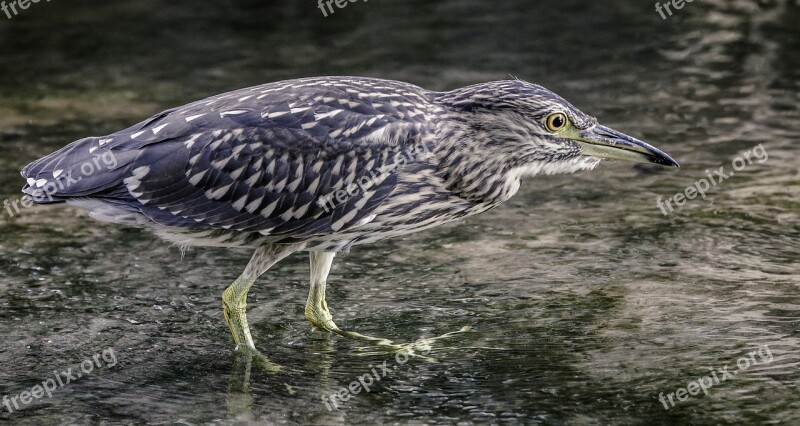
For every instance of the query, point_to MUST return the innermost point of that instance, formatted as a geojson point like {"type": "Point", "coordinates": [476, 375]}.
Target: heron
{"type": "Point", "coordinates": [321, 165]}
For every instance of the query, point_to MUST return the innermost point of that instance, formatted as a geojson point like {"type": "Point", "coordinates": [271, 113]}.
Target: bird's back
{"type": "Point", "coordinates": [265, 161]}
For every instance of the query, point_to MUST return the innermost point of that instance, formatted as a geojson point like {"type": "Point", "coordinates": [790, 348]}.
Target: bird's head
{"type": "Point", "coordinates": [528, 130]}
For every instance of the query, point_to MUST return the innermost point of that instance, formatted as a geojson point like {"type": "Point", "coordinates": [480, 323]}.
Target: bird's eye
{"type": "Point", "coordinates": [556, 121]}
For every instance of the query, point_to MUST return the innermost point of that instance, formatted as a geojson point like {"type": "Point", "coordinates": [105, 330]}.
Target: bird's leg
{"type": "Point", "coordinates": [317, 311]}
{"type": "Point", "coordinates": [234, 298]}
{"type": "Point", "coordinates": [320, 317]}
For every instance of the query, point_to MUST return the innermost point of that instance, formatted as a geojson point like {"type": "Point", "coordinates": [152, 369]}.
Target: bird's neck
{"type": "Point", "coordinates": [467, 169]}
{"type": "Point", "coordinates": [478, 165]}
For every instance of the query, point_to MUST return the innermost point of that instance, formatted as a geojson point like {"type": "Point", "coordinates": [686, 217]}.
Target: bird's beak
{"type": "Point", "coordinates": [602, 142]}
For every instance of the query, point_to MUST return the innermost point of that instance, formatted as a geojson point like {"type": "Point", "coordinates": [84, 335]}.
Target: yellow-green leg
{"type": "Point", "coordinates": [320, 317]}
{"type": "Point", "coordinates": [234, 298]}
{"type": "Point", "coordinates": [317, 311]}
{"type": "Point", "coordinates": [316, 308]}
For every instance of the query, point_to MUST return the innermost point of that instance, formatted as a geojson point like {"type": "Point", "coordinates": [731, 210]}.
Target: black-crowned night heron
{"type": "Point", "coordinates": [321, 165]}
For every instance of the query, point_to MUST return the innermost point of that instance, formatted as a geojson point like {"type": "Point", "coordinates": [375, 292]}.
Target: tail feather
{"type": "Point", "coordinates": [80, 169]}
{"type": "Point", "coordinates": [91, 166]}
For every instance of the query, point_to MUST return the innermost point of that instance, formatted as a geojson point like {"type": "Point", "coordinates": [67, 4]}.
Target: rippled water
{"type": "Point", "coordinates": [585, 301]}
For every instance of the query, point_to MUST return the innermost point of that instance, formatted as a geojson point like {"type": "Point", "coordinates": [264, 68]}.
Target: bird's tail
{"type": "Point", "coordinates": [83, 168]}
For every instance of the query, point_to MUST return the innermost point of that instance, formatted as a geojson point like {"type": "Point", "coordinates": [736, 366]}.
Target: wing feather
{"type": "Point", "coordinates": [271, 159]}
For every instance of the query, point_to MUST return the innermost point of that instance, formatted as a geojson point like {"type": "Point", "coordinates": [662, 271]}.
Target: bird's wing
{"type": "Point", "coordinates": [273, 159]}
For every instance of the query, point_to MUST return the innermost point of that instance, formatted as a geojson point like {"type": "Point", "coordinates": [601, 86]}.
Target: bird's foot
{"type": "Point", "coordinates": [236, 318]}
{"type": "Point", "coordinates": [253, 356]}
{"type": "Point", "coordinates": [419, 349]}
{"type": "Point", "coordinates": [320, 318]}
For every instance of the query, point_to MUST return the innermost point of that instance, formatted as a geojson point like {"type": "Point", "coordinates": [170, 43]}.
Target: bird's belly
{"type": "Point", "coordinates": [392, 220]}
{"type": "Point", "coordinates": [419, 202]}
{"type": "Point", "coordinates": [398, 217]}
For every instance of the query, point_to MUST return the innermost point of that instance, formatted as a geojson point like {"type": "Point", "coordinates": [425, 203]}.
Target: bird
{"type": "Point", "coordinates": [323, 164]}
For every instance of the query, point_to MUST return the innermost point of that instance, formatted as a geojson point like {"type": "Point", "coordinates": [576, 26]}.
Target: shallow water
{"type": "Point", "coordinates": [585, 301]}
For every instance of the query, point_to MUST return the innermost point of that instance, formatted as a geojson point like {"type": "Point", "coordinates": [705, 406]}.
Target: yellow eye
{"type": "Point", "coordinates": [556, 121]}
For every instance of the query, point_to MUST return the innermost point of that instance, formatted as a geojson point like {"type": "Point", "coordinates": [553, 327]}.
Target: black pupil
{"type": "Point", "coordinates": [558, 121]}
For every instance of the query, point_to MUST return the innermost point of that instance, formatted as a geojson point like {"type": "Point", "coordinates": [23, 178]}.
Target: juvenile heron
{"type": "Point", "coordinates": [321, 165]}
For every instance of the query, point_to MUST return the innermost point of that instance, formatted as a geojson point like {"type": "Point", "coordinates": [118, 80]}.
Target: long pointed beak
{"type": "Point", "coordinates": [603, 142]}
